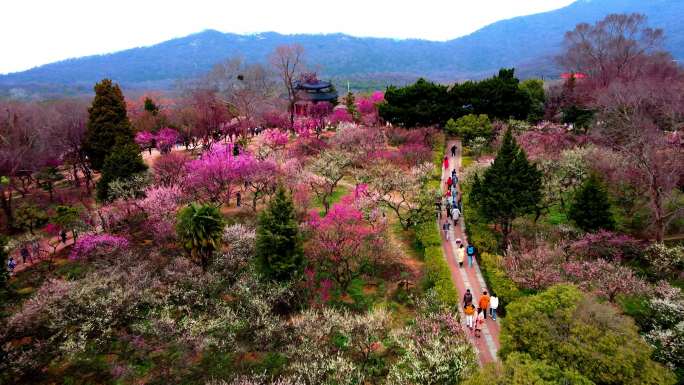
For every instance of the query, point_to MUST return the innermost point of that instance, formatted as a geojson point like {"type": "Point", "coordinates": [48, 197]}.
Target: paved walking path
{"type": "Point", "coordinates": [466, 277]}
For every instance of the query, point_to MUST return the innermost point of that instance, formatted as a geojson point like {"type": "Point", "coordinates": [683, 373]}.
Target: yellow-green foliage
{"type": "Point", "coordinates": [437, 273]}
{"type": "Point", "coordinates": [571, 330]}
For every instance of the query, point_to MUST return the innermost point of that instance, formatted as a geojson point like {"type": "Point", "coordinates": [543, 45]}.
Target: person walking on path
{"type": "Point", "coordinates": [493, 305]}
{"type": "Point", "coordinates": [484, 302]}
{"type": "Point", "coordinates": [471, 254]}
{"type": "Point", "coordinates": [453, 175]}
{"type": "Point", "coordinates": [479, 322]}
{"type": "Point", "coordinates": [455, 214]}
{"type": "Point", "coordinates": [438, 207]}
{"type": "Point", "coordinates": [448, 183]}
{"type": "Point", "coordinates": [11, 264]}
{"type": "Point", "coordinates": [446, 227]}
{"type": "Point", "coordinates": [446, 162]}
{"type": "Point", "coordinates": [459, 256]}
{"type": "Point", "coordinates": [453, 150]}
{"type": "Point", "coordinates": [467, 298]}
{"type": "Point", "coordinates": [63, 236]}
{"type": "Point", "coordinates": [469, 311]}
{"type": "Point", "coordinates": [448, 209]}
{"type": "Point", "coordinates": [25, 254]}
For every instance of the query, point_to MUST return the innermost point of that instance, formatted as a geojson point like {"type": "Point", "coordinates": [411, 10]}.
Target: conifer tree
{"type": "Point", "coordinates": [124, 162]}
{"type": "Point", "coordinates": [510, 188]}
{"type": "Point", "coordinates": [350, 102]}
{"type": "Point", "coordinates": [590, 209]}
{"type": "Point", "coordinates": [108, 123]}
{"type": "Point", "coordinates": [279, 248]}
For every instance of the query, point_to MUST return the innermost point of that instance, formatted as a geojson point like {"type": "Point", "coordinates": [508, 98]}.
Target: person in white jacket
{"type": "Point", "coordinates": [493, 305]}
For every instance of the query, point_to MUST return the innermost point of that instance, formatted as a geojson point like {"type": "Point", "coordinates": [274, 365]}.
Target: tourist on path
{"type": "Point", "coordinates": [446, 162]}
{"type": "Point", "coordinates": [467, 298]}
{"type": "Point", "coordinates": [471, 254]}
{"type": "Point", "coordinates": [35, 247]}
{"type": "Point", "coordinates": [459, 255]}
{"type": "Point", "coordinates": [11, 264]}
{"type": "Point", "coordinates": [448, 183]}
{"type": "Point", "coordinates": [469, 311]}
{"type": "Point", "coordinates": [63, 236]}
{"type": "Point", "coordinates": [448, 209]}
{"type": "Point", "coordinates": [484, 302]}
{"type": "Point", "coordinates": [24, 253]}
{"type": "Point", "coordinates": [453, 150]}
{"type": "Point", "coordinates": [493, 305]}
{"type": "Point", "coordinates": [479, 321]}
{"type": "Point", "coordinates": [455, 214]}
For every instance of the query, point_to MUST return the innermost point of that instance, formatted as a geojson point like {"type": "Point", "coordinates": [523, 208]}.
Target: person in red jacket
{"type": "Point", "coordinates": [446, 162]}
{"type": "Point", "coordinates": [449, 182]}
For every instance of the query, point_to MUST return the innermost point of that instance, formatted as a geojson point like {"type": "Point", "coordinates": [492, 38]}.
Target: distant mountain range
{"type": "Point", "coordinates": [527, 43]}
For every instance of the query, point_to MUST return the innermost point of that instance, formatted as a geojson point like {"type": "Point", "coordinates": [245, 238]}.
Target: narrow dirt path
{"type": "Point", "coordinates": [467, 277]}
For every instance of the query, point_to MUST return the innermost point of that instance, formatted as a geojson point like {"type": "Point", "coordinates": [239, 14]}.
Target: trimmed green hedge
{"type": "Point", "coordinates": [438, 276]}
{"type": "Point", "coordinates": [498, 282]}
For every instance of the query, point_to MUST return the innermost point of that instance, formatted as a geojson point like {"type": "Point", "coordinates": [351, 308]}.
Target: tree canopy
{"type": "Point", "coordinates": [572, 331]}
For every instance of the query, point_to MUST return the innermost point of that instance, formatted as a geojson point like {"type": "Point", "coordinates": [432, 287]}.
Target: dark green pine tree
{"type": "Point", "coordinates": [279, 249]}
{"type": "Point", "coordinates": [124, 162]}
{"type": "Point", "coordinates": [151, 107]}
{"type": "Point", "coordinates": [108, 124]}
{"type": "Point", "coordinates": [590, 209]}
{"type": "Point", "coordinates": [510, 188]}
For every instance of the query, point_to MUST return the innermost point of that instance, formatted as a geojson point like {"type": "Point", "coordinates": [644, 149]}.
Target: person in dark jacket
{"type": "Point", "coordinates": [467, 298]}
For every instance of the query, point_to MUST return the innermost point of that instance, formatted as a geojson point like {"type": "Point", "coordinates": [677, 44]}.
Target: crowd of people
{"type": "Point", "coordinates": [475, 312]}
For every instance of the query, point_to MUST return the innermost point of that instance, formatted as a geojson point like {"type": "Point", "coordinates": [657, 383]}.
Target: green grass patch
{"type": "Point", "coordinates": [337, 194]}
{"type": "Point", "coordinates": [466, 161]}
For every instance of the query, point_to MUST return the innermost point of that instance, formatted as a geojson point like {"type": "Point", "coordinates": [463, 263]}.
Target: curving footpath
{"type": "Point", "coordinates": [466, 277]}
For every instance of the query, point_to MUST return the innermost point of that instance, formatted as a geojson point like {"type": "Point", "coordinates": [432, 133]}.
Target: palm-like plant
{"type": "Point", "coordinates": [200, 228]}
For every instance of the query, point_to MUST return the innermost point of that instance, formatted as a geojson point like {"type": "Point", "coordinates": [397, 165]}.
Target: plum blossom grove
{"type": "Point", "coordinates": [256, 227]}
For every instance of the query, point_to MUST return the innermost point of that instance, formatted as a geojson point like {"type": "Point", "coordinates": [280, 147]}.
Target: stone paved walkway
{"type": "Point", "coordinates": [466, 277]}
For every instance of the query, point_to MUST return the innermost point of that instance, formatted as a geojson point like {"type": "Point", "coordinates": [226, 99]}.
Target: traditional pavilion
{"type": "Point", "coordinates": [311, 91]}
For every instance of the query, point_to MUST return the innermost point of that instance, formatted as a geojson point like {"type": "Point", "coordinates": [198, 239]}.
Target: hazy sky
{"type": "Point", "coordinates": [34, 32]}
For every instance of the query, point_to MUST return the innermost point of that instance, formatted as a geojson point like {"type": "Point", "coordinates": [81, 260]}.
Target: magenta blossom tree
{"type": "Point", "coordinates": [343, 242]}
{"type": "Point", "coordinates": [91, 246]}
{"type": "Point", "coordinates": [606, 279]}
{"type": "Point", "coordinates": [213, 177]}
{"type": "Point", "coordinates": [340, 115]}
{"type": "Point", "coordinates": [160, 205]}
{"type": "Point", "coordinates": [166, 138]}
{"type": "Point", "coordinates": [145, 140]}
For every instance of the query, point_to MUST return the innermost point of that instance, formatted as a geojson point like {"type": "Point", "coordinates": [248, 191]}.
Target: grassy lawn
{"type": "Point", "coordinates": [339, 192]}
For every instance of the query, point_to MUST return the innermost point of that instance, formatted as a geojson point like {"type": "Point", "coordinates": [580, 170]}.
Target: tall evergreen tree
{"type": "Point", "coordinates": [279, 249]}
{"type": "Point", "coordinates": [590, 209]}
{"type": "Point", "coordinates": [124, 162]}
{"type": "Point", "coordinates": [510, 188]}
{"type": "Point", "coordinates": [108, 124]}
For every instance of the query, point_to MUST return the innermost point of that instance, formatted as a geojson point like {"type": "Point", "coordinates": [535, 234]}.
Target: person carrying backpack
{"type": "Point", "coordinates": [471, 253]}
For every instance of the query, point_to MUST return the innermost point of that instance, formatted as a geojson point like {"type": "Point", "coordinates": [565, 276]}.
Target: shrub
{"type": "Point", "coordinates": [93, 246]}
{"type": "Point", "coordinates": [469, 127]}
{"type": "Point", "coordinates": [498, 281]}
{"type": "Point", "coordinates": [665, 261]}
{"type": "Point", "coordinates": [435, 350]}
{"type": "Point", "coordinates": [520, 369]}
{"type": "Point", "coordinates": [438, 276]}
{"type": "Point", "coordinates": [607, 245]}
{"type": "Point", "coordinates": [564, 326]}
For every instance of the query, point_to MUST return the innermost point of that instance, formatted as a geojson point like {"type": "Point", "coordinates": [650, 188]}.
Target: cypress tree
{"type": "Point", "coordinates": [590, 209]}
{"type": "Point", "coordinates": [124, 162]}
{"type": "Point", "coordinates": [108, 124]}
{"type": "Point", "coordinates": [279, 249]}
{"type": "Point", "coordinates": [510, 188]}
